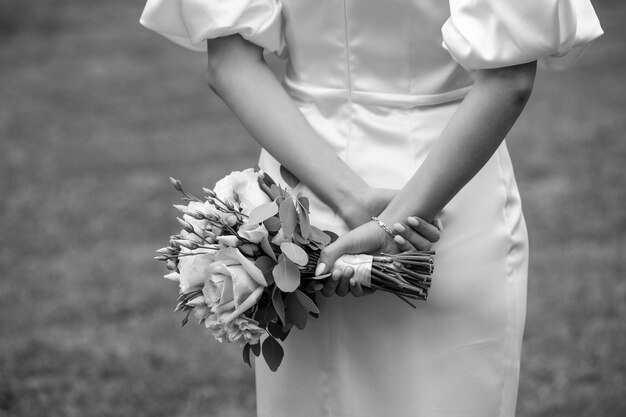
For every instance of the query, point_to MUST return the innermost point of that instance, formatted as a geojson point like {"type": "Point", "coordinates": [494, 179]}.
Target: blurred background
{"type": "Point", "coordinates": [96, 113]}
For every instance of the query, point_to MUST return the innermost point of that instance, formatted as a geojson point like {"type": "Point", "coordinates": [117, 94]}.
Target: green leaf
{"type": "Point", "coordinates": [303, 221]}
{"type": "Point", "coordinates": [246, 354]}
{"type": "Point", "coordinates": [266, 264]}
{"type": "Point", "coordinates": [322, 239]}
{"type": "Point", "coordinates": [267, 248]}
{"type": "Point", "coordinates": [289, 178]}
{"type": "Point", "coordinates": [295, 253]}
{"type": "Point", "coordinates": [277, 330]}
{"type": "Point", "coordinates": [264, 315]}
{"type": "Point", "coordinates": [263, 212]}
{"type": "Point", "coordinates": [288, 216]}
{"type": "Point", "coordinates": [297, 237]}
{"type": "Point", "coordinates": [273, 353]}
{"type": "Point", "coordinates": [307, 302]}
{"type": "Point", "coordinates": [295, 312]}
{"type": "Point", "coordinates": [272, 224]}
{"type": "Point", "coordinates": [279, 305]}
{"type": "Point", "coordinates": [267, 179]}
{"type": "Point", "coordinates": [304, 202]}
{"type": "Point", "coordinates": [286, 274]}
{"type": "Point", "coordinates": [256, 349]}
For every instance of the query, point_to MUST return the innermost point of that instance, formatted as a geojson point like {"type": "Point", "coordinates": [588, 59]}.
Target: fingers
{"type": "Point", "coordinates": [427, 230]}
{"type": "Point", "coordinates": [357, 290]}
{"type": "Point", "coordinates": [330, 253]}
{"type": "Point", "coordinates": [416, 232]}
{"type": "Point", "coordinates": [338, 283]}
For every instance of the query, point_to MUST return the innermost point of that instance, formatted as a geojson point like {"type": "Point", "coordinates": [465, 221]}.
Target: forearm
{"type": "Point", "coordinates": [238, 74]}
{"type": "Point", "coordinates": [470, 138]}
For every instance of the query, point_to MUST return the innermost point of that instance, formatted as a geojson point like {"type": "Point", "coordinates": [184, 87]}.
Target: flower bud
{"type": "Point", "coordinates": [171, 264]}
{"type": "Point", "coordinates": [180, 207]}
{"type": "Point", "coordinates": [229, 205]}
{"type": "Point", "coordinates": [186, 226]}
{"type": "Point", "coordinates": [161, 258]}
{"type": "Point", "coordinates": [187, 244]}
{"type": "Point", "coordinates": [176, 184]}
{"type": "Point", "coordinates": [231, 220]}
{"type": "Point", "coordinates": [196, 214]}
{"type": "Point", "coordinates": [173, 276]}
{"type": "Point", "coordinates": [164, 251]}
{"type": "Point", "coordinates": [208, 192]}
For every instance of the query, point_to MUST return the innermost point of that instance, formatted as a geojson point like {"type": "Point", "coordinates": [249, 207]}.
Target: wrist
{"type": "Point", "coordinates": [351, 204]}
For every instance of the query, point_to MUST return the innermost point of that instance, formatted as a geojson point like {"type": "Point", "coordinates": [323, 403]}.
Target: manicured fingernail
{"type": "Point", "coordinates": [320, 269]}
{"type": "Point", "coordinates": [413, 221]}
{"type": "Point", "coordinates": [398, 227]}
{"type": "Point", "coordinates": [352, 282]}
{"type": "Point", "coordinates": [399, 240]}
{"type": "Point", "coordinates": [439, 224]}
{"type": "Point", "coordinates": [335, 275]}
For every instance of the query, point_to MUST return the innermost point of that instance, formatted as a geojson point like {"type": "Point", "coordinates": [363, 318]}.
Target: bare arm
{"type": "Point", "coordinates": [241, 78]}
{"type": "Point", "coordinates": [470, 138]}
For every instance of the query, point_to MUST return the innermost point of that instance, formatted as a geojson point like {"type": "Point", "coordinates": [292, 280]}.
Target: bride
{"type": "Point", "coordinates": [396, 110]}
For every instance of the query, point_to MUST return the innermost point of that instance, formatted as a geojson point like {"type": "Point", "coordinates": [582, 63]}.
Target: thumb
{"type": "Point", "coordinates": [330, 253]}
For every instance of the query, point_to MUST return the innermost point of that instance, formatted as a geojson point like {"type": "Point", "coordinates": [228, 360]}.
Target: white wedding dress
{"type": "Point", "coordinates": [379, 79]}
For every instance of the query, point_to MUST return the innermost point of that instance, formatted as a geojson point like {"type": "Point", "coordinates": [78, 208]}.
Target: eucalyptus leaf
{"type": "Point", "coordinates": [277, 331]}
{"type": "Point", "coordinates": [272, 224]}
{"type": "Point", "coordinates": [304, 222]}
{"type": "Point", "coordinates": [295, 253]}
{"type": "Point", "coordinates": [286, 274]}
{"type": "Point", "coordinates": [266, 264]}
{"type": "Point", "coordinates": [288, 216]}
{"type": "Point", "coordinates": [289, 178]}
{"type": "Point", "coordinates": [279, 305]}
{"type": "Point", "coordinates": [295, 312]}
{"type": "Point", "coordinates": [256, 349]}
{"type": "Point", "coordinates": [273, 353]}
{"type": "Point", "coordinates": [307, 302]}
{"type": "Point", "coordinates": [304, 202]}
{"type": "Point", "coordinates": [266, 179]}
{"type": "Point", "coordinates": [297, 237]}
{"type": "Point", "coordinates": [319, 237]}
{"type": "Point", "coordinates": [264, 315]}
{"type": "Point", "coordinates": [263, 212]}
{"type": "Point", "coordinates": [246, 354]}
{"type": "Point", "coordinates": [267, 248]}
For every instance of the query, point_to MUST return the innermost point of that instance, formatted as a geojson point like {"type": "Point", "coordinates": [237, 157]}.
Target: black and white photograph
{"type": "Point", "coordinates": [313, 208]}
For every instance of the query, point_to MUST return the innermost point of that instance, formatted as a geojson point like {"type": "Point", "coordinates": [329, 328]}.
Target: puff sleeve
{"type": "Point", "coordinates": [484, 34]}
{"type": "Point", "coordinates": [190, 22]}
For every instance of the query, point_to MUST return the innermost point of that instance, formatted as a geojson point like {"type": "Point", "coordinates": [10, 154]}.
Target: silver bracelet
{"type": "Point", "coordinates": [384, 226]}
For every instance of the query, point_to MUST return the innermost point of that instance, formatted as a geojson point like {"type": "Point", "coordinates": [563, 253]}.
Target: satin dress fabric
{"type": "Point", "coordinates": [379, 80]}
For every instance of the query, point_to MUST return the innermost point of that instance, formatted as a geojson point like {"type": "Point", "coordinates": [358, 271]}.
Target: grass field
{"type": "Point", "coordinates": [96, 113]}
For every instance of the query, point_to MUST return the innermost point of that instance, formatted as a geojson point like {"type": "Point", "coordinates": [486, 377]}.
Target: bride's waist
{"type": "Point", "coordinates": [311, 92]}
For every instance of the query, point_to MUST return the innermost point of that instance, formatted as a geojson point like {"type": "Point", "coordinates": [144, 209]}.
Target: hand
{"type": "Point", "coordinates": [364, 204]}
{"type": "Point", "coordinates": [415, 234]}
{"type": "Point", "coordinates": [368, 238]}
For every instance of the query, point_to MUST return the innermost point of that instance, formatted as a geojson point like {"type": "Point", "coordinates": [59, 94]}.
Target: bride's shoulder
{"type": "Point", "coordinates": [493, 33]}
{"type": "Point", "coordinates": [191, 22]}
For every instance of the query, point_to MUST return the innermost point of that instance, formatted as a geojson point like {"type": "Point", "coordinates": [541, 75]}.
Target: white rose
{"type": "Point", "coordinates": [228, 283]}
{"type": "Point", "coordinates": [202, 227]}
{"type": "Point", "coordinates": [194, 270]}
{"type": "Point", "coordinates": [242, 187]}
{"type": "Point", "coordinates": [255, 233]}
{"type": "Point", "coordinates": [216, 327]}
{"type": "Point", "coordinates": [242, 331]}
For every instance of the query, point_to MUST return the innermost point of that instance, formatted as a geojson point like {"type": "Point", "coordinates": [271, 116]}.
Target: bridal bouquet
{"type": "Point", "coordinates": [246, 256]}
